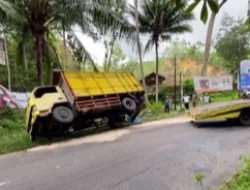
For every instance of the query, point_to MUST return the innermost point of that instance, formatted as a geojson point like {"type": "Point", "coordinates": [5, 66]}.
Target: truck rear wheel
{"type": "Point", "coordinates": [129, 104]}
{"type": "Point", "coordinates": [63, 114]}
{"type": "Point", "coordinates": [140, 107]}
{"type": "Point", "coordinates": [245, 118]}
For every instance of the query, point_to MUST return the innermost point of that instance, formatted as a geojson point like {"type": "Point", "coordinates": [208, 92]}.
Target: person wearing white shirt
{"type": "Point", "coordinates": [206, 99]}
{"type": "Point", "coordinates": [186, 100]}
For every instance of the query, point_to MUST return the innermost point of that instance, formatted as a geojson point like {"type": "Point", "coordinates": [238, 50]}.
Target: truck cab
{"type": "Point", "coordinates": [43, 106]}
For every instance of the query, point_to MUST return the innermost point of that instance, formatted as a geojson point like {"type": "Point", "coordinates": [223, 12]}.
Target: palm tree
{"type": "Point", "coordinates": [209, 39]}
{"type": "Point", "coordinates": [139, 49]}
{"type": "Point", "coordinates": [40, 17]}
{"type": "Point", "coordinates": [161, 20]}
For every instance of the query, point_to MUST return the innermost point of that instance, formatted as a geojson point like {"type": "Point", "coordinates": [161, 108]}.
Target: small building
{"type": "Point", "coordinates": [151, 79]}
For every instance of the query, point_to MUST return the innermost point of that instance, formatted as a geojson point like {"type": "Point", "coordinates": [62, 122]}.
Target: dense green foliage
{"type": "Point", "coordinates": [35, 20]}
{"type": "Point", "coordinates": [188, 86]}
{"type": "Point", "coordinates": [224, 96]}
{"type": "Point", "coordinates": [233, 43]}
{"type": "Point", "coordinates": [12, 131]}
{"type": "Point", "coordinates": [160, 20]}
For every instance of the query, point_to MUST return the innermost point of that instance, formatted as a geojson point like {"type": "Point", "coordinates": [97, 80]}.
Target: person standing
{"type": "Point", "coordinates": [170, 103]}
{"type": "Point", "coordinates": [195, 99]}
{"type": "Point", "coordinates": [186, 100]}
{"type": "Point", "coordinates": [167, 104]}
{"type": "Point", "coordinates": [207, 99]}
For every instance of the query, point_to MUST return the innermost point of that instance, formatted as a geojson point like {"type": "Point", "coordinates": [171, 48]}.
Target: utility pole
{"type": "Point", "coordinates": [7, 62]}
{"type": "Point", "coordinates": [139, 49]}
{"type": "Point", "coordinates": [175, 98]}
{"type": "Point", "coordinates": [64, 40]}
{"type": "Point", "coordinates": [181, 91]}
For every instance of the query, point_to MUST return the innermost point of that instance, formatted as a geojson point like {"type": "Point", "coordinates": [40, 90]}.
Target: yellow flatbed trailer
{"type": "Point", "coordinates": [231, 110]}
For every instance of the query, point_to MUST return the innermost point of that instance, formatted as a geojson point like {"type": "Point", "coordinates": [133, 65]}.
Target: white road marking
{"type": "Point", "coordinates": [4, 183]}
{"type": "Point", "coordinates": [57, 167]}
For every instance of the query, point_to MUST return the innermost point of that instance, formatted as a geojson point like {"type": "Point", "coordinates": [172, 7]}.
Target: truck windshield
{"type": "Point", "coordinates": [43, 90]}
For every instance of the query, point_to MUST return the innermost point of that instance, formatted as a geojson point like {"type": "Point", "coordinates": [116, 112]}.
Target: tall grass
{"type": "Point", "coordinates": [240, 181]}
{"type": "Point", "coordinates": [13, 136]}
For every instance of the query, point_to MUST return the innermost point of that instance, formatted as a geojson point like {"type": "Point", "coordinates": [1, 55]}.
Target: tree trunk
{"type": "Point", "coordinates": [39, 57]}
{"type": "Point", "coordinates": [139, 50]}
{"type": "Point", "coordinates": [208, 44]}
{"type": "Point", "coordinates": [209, 40]}
{"type": "Point", "coordinates": [65, 48]}
{"type": "Point", "coordinates": [25, 57]}
{"type": "Point", "coordinates": [7, 64]}
{"type": "Point", "coordinates": [111, 53]}
{"type": "Point", "coordinates": [157, 72]}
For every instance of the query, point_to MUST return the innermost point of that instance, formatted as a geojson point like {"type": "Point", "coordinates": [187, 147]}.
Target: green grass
{"type": "Point", "coordinates": [224, 96]}
{"type": "Point", "coordinates": [240, 181]}
{"type": "Point", "coordinates": [13, 136]}
{"type": "Point", "coordinates": [146, 118]}
{"type": "Point", "coordinates": [157, 112]}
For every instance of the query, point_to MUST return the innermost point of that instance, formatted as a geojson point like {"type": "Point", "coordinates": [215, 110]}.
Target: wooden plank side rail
{"type": "Point", "coordinates": [99, 103]}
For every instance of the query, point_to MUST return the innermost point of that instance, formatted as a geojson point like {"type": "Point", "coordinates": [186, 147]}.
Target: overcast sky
{"type": "Point", "coordinates": [235, 8]}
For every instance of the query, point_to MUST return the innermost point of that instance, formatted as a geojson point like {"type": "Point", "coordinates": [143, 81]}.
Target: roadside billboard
{"type": "Point", "coordinates": [213, 83]}
{"type": "Point", "coordinates": [13, 99]}
{"type": "Point", "coordinates": [245, 74]}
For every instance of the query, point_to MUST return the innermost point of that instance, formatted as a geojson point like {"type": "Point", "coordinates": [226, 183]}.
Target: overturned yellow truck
{"type": "Point", "coordinates": [237, 111]}
{"type": "Point", "coordinates": [77, 99]}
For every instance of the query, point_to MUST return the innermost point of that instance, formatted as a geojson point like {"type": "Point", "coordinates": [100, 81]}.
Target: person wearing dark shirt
{"type": "Point", "coordinates": [167, 104]}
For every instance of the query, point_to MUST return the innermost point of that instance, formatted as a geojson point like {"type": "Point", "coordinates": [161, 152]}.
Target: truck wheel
{"type": "Point", "coordinates": [63, 114]}
{"type": "Point", "coordinates": [129, 104]}
{"type": "Point", "coordinates": [245, 118]}
{"type": "Point", "coordinates": [139, 108]}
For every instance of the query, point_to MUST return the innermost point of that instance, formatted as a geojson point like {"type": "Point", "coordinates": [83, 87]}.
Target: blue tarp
{"type": "Point", "coordinates": [136, 121]}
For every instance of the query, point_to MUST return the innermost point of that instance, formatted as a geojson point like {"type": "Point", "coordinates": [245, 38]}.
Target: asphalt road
{"type": "Point", "coordinates": [163, 155]}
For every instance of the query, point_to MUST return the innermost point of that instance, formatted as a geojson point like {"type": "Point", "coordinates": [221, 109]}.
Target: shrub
{"type": "Point", "coordinates": [13, 136]}
{"type": "Point", "coordinates": [156, 108]}
{"type": "Point", "coordinates": [224, 96]}
{"type": "Point", "coordinates": [163, 92]}
{"type": "Point", "coordinates": [188, 86]}
{"type": "Point", "coordinates": [241, 181]}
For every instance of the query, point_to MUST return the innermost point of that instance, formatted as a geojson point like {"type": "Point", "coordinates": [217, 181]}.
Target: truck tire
{"type": "Point", "coordinates": [63, 114]}
{"type": "Point", "coordinates": [139, 108]}
{"type": "Point", "coordinates": [245, 118]}
{"type": "Point", "coordinates": [129, 104]}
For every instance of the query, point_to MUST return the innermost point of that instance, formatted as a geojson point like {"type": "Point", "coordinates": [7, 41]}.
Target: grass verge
{"type": "Point", "coordinates": [13, 136]}
{"type": "Point", "coordinates": [160, 116]}
{"type": "Point", "coordinates": [240, 181]}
